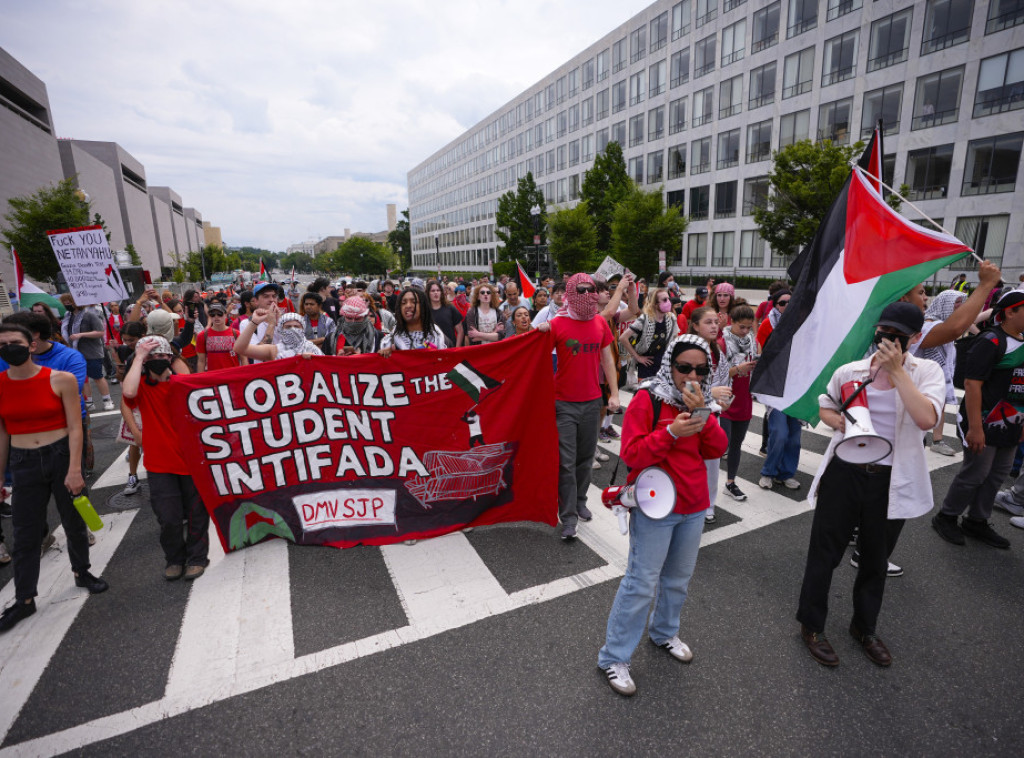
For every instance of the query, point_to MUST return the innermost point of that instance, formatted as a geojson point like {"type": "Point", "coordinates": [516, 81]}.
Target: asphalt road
{"type": "Point", "coordinates": [485, 644]}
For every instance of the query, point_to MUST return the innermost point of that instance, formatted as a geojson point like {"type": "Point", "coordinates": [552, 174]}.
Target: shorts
{"type": "Point", "coordinates": [94, 368]}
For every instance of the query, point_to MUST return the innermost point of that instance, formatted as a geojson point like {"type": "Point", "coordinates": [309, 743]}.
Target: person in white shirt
{"type": "Point", "coordinates": [905, 395]}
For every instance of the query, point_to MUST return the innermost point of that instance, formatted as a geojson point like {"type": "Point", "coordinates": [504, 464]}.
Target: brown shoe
{"type": "Point", "coordinates": [873, 647]}
{"type": "Point", "coordinates": [194, 572]}
{"type": "Point", "coordinates": [819, 647]}
{"type": "Point", "coordinates": [174, 571]}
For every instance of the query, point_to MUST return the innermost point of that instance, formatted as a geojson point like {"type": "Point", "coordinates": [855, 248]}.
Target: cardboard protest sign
{"type": "Point", "coordinates": [88, 265]}
{"type": "Point", "coordinates": [610, 267]}
{"type": "Point", "coordinates": [347, 450]}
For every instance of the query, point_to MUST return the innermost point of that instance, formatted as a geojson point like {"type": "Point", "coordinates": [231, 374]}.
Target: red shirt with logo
{"type": "Point", "coordinates": [219, 348]}
{"type": "Point", "coordinates": [160, 447]}
{"type": "Point", "coordinates": [578, 345]}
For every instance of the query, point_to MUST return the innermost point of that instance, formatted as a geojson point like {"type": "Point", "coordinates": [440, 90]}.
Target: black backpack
{"type": "Point", "coordinates": [963, 348]}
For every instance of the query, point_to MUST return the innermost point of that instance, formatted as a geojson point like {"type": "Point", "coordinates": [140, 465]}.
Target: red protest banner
{"type": "Point", "coordinates": [347, 450]}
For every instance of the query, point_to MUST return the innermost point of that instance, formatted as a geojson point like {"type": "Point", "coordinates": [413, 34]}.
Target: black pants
{"type": "Point", "coordinates": [174, 498]}
{"type": "Point", "coordinates": [848, 497]}
{"type": "Point", "coordinates": [39, 473]}
{"type": "Point", "coordinates": [736, 431]}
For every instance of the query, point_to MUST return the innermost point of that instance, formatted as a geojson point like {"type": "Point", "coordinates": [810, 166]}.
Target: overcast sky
{"type": "Point", "coordinates": [284, 120]}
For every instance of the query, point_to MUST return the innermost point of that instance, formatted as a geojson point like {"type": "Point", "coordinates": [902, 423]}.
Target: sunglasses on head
{"type": "Point", "coordinates": [585, 289]}
{"type": "Point", "coordinates": [685, 368]}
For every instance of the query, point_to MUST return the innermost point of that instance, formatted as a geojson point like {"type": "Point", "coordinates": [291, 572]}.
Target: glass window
{"type": "Point", "coordinates": [837, 8]}
{"type": "Point", "coordinates": [729, 149]}
{"type": "Point", "coordinates": [602, 65]}
{"type": "Point", "coordinates": [762, 86]}
{"type": "Point", "coordinates": [890, 40]}
{"type": "Point", "coordinates": [681, 13]}
{"type": "Point", "coordinates": [538, 135]}
{"type": "Point", "coordinates": [574, 152]}
{"type": "Point", "coordinates": [574, 82]}
{"type": "Point", "coordinates": [697, 244]}
{"type": "Point", "coordinates": [549, 97]}
{"type": "Point", "coordinates": [1000, 84]}
{"type": "Point", "coordinates": [562, 191]}
{"type": "Point", "coordinates": [703, 107]}
{"type": "Point", "coordinates": [986, 234]}
{"type": "Point", "coordinates": [562, 154]}
{"type": "Point", "coordinates": [798, 73]}
{"type": "Point", "coordinates": [549, 130]}
{"type": "Point", "coordinates": [601, 139]}
{"type": "Point", "coordinates": [601, 104]}
{"type": "Point", "coordinates": [619, 56]}
{"type": "Point", "coordinates": [803, 16]}
{"type": "Point", "coordinates": [751, 250]}
{"type": "Point", "coordinates": [619, 133]}
{"type": "Point", "coordinates": [656, 78]}
{"type": "Point", "coordinates": [839, 62]}
{"type": "Point", "coordinates": [574, 187]}
{"type": "Point", "coordinates": [677, 161]}
{"type": "Point", "coordinates": [659, 32]}
{"type": "Point", "coordinates": [636, 169]}
{"type": "Point", "coordinates": [574, 117]}
{"type": "Point", "coordinates": [656, 123]}
{"type": "Point", "coordinates": [529, 108]}
{"type": "Point", "coordinates": [560, 90]}
{"type": "Point", "coordinates": [677, 115]}
{"type": "Point", "coordinates": [636, 130]}
{"type": "Point", "coordinates": [549, 159]}
{"type": "Point", "coordinates": [992, 165]}
{"type": "Point", "coordinates": [538, 103]}
{"type": "Point", "coordinates": [637, 44]}
{"type": "Point", "coordinates": [834, 121]}
{"type": "Point", "coordinates": [730, 97]}
{"type": "Point", "coordinates": [722, 242]}
{"type": "Point", "coordinates": [700, 153]}
{"type": "Point", "coordinates": [618, 96]}
{"type": "Point", "coordinates": [588, 74]}
{"type": "Point", "coordinates": [680, 71]}
{"type": "Point", "coordinates": [563, 123]}
{"type": "Point", "coordinates": [759, 141]}
{"type": "Point", "coordinates": [637, 85]}
{"type": "Point", "coordinates": [765, 28]}
{"type": "Point", "coordinates": [655, 167]}
{"type": "Point", "coordinates": [1002, 14]}
{"type": "Point", "coordinates": [884, 104]}
{"type": "Point", "coordinates": [755, 194]}
{"type": "Point", "coordinates": [928, 172]}
{"type": "Point", "coordinates": [734, 40]}
{"type": "Point", "coordinates": [937, 98]}
{"type": "Point", "coordinates": [707, 10]}
{"type": "Point", "coordinates": [676, 199]}
{"type": "Point", "coordinates": [946, 23]}
{"type": "Point", "coordinates": [587, 111]}
{"type": "Point", "coordinates": [704, 57]}
{"type": "Point", "coordinates": [728, 5]}
{"type": "Point", "coordinates": [587, 147]}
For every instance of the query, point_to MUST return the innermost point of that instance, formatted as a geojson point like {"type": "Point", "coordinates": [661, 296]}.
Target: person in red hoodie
{"type": "Point", "coordinates": [663, 552]}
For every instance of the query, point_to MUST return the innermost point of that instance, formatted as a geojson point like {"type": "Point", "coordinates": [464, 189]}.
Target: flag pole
{"type": "Point", "coordinates": [927, 218]}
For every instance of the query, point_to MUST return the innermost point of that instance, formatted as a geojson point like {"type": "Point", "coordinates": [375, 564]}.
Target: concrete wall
{"type": "Point", "coordinates": [97, 180]}
{"type": "Point", "coordinates": [161, 211]}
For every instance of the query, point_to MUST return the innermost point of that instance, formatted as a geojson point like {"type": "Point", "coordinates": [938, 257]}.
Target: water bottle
{"type": "Point", "coordinates": [88, 513]}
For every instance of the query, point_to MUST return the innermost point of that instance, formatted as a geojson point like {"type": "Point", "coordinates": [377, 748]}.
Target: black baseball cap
{"type": "Point", "coordinates": [702, 292]}
{"type": "Point", "coordinates": [906, 317]}
{"type": "Point", "coordinates": [1007, 299]}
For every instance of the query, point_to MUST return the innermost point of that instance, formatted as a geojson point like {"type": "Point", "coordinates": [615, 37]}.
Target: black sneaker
{"type": "Point", "coordinates": [6, 511]}
{"type": "Point", "coordinates": [735, 492]}
{"type": "Point", "coordinates": [584, 513]}
{"type": "Point", "coordinates": [948, 529]}
{"type": "Point", "coordinates": [94, 584]}
{"type": "Point", "coordinates": [983, 531]}
{"type": "Point", "coordinates": [569, 533]}
{"type": "Point", "coordinates": [15, 613]}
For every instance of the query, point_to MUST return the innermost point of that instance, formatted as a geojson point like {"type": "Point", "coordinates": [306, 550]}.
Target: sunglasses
{"type": "Point", "coordinates": [685, 368]}
{"type": "Point", "coordinates": [485, 292]}
{"type": "Point", "coordinates": [783, 303]}
{"type": "Point", "coordinates": [584, 289]}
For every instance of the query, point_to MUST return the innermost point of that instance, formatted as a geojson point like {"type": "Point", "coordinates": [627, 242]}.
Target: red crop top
{"type": "Point", "coordinates": [28, 406]}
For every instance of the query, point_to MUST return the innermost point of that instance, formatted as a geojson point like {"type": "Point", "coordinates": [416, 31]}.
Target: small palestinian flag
{"type": "Point", "coordinates": [253, 523]}
{"type": "Point", "coordinates": [263, 271]}
{"type": "Point", "coordinates": [472, 382]}
{"type": "Point", "coordinates": [871, 160]}
{"type": "Point", "coordinates": [526, 285]}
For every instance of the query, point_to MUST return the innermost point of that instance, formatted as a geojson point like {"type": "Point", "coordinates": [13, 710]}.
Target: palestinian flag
{"type": "Point", "coordinates": [472, 382]}
{"type": "Point", "coordinates": [526, 286]}
{"type": "Point", "coordinates": [263, 271]}
{"type": "Point", "coordinates": [864, 256]}
{"type": "Point", "coordinates": [31, 294]}
{"type": "Point", "coordinates": [871, 161]}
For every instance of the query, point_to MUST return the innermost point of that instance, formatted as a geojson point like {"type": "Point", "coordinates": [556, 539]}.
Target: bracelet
{"type": "Point", "coordinates": [671, 434]}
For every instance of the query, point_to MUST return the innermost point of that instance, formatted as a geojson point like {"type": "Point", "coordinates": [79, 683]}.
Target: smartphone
{"type": "Point", "coordinates": [703, 413]}
{"type": "Point", "coordinates": [147, 277]}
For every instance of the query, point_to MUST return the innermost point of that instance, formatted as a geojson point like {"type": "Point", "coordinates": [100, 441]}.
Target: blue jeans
{"type": "Point", "coordinates": [783, 446]}
{"type": "Point", "coordinates": [662, 556]}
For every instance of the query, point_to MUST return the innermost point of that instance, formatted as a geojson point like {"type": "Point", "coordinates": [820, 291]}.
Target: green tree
{"type": "Point", "coordinates": [358, 255]}
{"type": "Point", "coordinates": [133, 254]}
{"type": "Point", "coordinates": [514, 222]}
{"type": "Point", "coordinates": [572, 238]}
{"type": "Point", "coordinates": [30, 218]}
{"type": "Point", "coordinates": [604, 185]}
{"type": "Point", "coordinates": [400, 240]}
{"type": "Point", "coordinates": [641, 226]}
{"type": "Point", "coordinates": [303, 262]}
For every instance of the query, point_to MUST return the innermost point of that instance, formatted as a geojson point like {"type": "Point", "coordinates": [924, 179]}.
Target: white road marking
{"type": "Point", "coordinates": [116, 474]}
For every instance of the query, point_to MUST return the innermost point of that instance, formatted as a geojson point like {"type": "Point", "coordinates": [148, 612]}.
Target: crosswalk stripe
{"type": "Point", "coordinates": [117, 474]}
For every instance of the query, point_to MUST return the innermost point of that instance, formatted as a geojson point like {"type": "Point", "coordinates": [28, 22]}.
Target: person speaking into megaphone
{"type": "Point", "coordinates": [667, 426]}
{"type": "Point", "coordinates": [892, 398]}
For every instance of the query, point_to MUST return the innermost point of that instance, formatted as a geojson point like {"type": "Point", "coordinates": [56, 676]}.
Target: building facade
{"type": "Point", "coordinates": [699, 93]}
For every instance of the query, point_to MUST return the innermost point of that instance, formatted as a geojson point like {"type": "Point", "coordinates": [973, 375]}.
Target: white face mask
{"type": "Point", "coordinates": [292, 339]}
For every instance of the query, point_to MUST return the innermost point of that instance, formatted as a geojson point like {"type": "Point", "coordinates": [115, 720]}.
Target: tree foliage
{"type": "Point", "coordinates": [604, 185]}
{"type": "Point", "coordinates": [400, 240]}
{"type": "Point", "coordinates": [133, 254]}
{"type": "Point", "coordinates": [30, 218]}
{"type": "Point", "coordinates": [358, 255]}
{"type": "Point", "coordinates": [641, 226]}
{"type": "Point", "coordinates": [514, 222]}
{"type": "Point", "coordinates": [211, 259]}
{"type": "Point", "coordinates": [302, 262]}
{"type": "Point", "coordinates": [572, 238]}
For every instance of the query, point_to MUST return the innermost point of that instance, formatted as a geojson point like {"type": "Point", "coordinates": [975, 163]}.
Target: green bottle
{"type": "Point", "coordinates": [88, 513]}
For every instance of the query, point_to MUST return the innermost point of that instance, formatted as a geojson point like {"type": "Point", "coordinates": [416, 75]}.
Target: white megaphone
{"type": "Point", "coordinates": [860, 442]}
{"type": "Point", "coordinates": [653, 492]}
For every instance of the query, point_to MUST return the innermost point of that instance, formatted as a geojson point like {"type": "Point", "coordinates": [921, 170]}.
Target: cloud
{"type": "Point", "coordinates": [280, 122]}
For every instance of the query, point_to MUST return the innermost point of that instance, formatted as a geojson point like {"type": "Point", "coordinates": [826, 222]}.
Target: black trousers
{"type": "Point", "coordinates": [848, 497]}
{"type": "Point", "coordinates": [174, 498]}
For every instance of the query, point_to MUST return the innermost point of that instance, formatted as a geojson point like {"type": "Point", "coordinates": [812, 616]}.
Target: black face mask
{"type": "Point", "coordinates": [157, 366]}
{"type": "Point", "coordinates": [15, 354]}
{"type": "Point", "coordinates": [903, 340]}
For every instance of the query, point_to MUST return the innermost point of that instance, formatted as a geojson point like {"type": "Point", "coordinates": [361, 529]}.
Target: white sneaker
{"type": "Point", "coordinates": [595, 464]}
{"type": "Point", "coordinates": [677, 649]}
{"type": "Point", "coordinates": [5, 556]}
{"type": "Point", "coordinates": [601, 456]}
{"type": "Point", "coordinates": [108, 405]}
{"type": "Point", "coordinates": [789, 484]}
{"type": "Point", "coordinates": [942, 448]}
{"type": "Point", "coordinates": [90, 406]}
{"type": "Point", "coordinates": [620, 680]}
{"type": "Point", "coordinates": [133, 485]}
{"type": "Point", "coordinates": [766, 482]}
{"type": "Point", "coordinates": [1004, 500]}
{"type": "Point", "coordinates": [1018, 521]}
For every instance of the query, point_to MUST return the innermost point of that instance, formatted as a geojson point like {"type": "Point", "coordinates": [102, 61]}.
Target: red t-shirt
{"type": "Point", "coordinates": [684, 317]}
{"type": "Point", "coordinates": [764, 332]}
{"type": "Point", "coordinates": [579, 345]}
{"type": "Point", "coordinates": [160, 447]}
{"type": "Point", "coordinates": [219, 348]}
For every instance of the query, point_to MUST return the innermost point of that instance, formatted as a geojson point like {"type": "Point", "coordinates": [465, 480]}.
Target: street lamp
{"type": "Point", "coordinates": [437, 247]}
{"type": "Point", "coordinates": [535, 218]}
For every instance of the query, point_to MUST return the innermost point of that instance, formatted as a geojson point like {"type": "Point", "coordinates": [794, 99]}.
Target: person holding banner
{"type": "Point", "coordinates": [41, 434]}
{"type": "Point", "coordinates": [904, 396]}
{"type": "Point", "coordinates": [289, 337]}
{"type": "Point", "coordinates": [414, 328]}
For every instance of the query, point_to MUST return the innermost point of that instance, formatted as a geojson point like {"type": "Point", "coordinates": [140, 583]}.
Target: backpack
{"type": "Point", "coordinates": [963, 347]}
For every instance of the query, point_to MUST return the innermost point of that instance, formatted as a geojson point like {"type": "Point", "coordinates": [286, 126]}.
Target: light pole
{"type": "Point", "coordinates": [535, 218]}
{"type": "Point", "coordinates": [437, 247]}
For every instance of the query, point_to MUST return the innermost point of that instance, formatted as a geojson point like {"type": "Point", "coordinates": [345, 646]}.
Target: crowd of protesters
{"type": "Point", "coordinates": [689, 358]}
